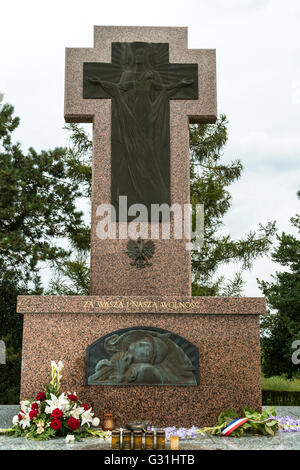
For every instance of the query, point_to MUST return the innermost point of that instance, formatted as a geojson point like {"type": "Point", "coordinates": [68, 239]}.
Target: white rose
{"type": "Point", "coordinates": [70, 439]}
{"type": "Point", "coordinates": [95, 422]}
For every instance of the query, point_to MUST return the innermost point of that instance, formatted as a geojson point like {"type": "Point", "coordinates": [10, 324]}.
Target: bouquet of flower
{"type": "Point", "coordinates": [53, 414]}
{"type": "Point", "coordinates": [235, 425]}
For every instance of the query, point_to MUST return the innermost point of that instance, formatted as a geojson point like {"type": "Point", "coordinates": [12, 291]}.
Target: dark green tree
{"type": "Point", "coordinates": [38, 197]}
{"type": "Point", "coordinates": [37, 203]}
{"type": "Point", "coordinates": [282, 326]}
{"type": "Point", "coordinates": [73, 277]}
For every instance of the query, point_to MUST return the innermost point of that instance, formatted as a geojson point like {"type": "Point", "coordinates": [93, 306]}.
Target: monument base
{"type": "Point", "coordinates": [225, 331]}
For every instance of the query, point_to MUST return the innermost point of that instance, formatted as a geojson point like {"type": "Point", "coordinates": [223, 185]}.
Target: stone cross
{"type": "Point", "coordinates": [140, 142]}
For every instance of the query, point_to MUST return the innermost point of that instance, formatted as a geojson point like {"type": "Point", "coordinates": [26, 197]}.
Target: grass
{"type": "Point", "coordinates": [279, 391]}
{"type": "Point", "coordinates": [280, 384]}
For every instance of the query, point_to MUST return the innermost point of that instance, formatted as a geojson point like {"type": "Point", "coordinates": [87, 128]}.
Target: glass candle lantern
{"type": "Point", "coordinates": [174, 442]}
{"type": "Point", "coordinates": [126, 440]}
{"type": "Point", "coordinates": [138, 440]}
{"type": "Point", "coordinates": [160, 440]}
{"type": "Point", "coordinates": [115, 440]}
{"type": "Point", "coordinates": [108, 423]}
{"type": "Point", "coordinates": [149, 440]}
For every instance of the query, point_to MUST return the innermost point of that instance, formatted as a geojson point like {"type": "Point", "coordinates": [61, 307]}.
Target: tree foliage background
{"type": "Point", "coordinates": [40, 224]}
{"type": "Point", "coordinates": [282, 327]}
{"type": "Point", "coordinates": [211, 178]}
{"type": "Point", "coordinates": [38, 199]}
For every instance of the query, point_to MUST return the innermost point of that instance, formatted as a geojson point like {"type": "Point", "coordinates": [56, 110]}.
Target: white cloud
{"type": "Point", "coordinates": [267, 150]}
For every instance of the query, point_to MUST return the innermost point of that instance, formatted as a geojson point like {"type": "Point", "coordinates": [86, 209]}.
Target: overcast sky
{"type": "Point", "coordinates": [258, 76]}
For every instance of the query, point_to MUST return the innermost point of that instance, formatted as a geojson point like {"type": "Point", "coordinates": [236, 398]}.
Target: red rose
{"type": "Point", "coordinates": [34, 406]}
{"type": "Point", "coordinates": [55, 424]}
{"type": "Point", "coordinates": [33, 414]}
{"type": "Point", "coordinates": [56, 413]}
{"type": "Point", "coordinates": [73, 423]}
{"type": "Point", "coordinates": [72, 397]}
{"type": "Point", "coordinates": [85, 406]}
{"type": "Point", "coordinates": [40, 396]}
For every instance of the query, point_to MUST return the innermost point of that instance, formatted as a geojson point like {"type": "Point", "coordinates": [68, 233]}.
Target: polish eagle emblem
{"type": "Point", "coordinates": [140, 251]}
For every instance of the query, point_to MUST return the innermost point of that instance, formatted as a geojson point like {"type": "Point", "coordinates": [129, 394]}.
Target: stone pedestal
{"type": "Point", "coordinates": [225, 330]}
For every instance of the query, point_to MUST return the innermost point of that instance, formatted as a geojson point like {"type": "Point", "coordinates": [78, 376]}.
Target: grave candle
{"type": "Point", "coordinates": [149, 440]}
{"type": "Point", "coordinates": [108, 423]}
{"type": "Point", "coordinates": [138, 440]}
{"type": "Point", "coordinates": [174, 442]}
{"type": "Point", "coordinates": [115, 440]}
{"type": "Point", "coordinates": [160, 440]}
{"type": "Point", "coordinates": [126, 440]}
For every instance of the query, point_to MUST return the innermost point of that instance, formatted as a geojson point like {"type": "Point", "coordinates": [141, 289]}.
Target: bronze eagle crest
{"type": "Point", "coordinates": [140, 252]}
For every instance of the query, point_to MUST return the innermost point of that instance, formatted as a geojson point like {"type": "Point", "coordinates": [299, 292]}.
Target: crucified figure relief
{"type": "Point", "coordinates": [140, 130]}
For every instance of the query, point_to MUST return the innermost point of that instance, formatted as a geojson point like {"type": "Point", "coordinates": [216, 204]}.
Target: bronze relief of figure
{"type": "Point", "coordinates": [140, 139]}
{"type": "Point", "coordinates": [143, 357]}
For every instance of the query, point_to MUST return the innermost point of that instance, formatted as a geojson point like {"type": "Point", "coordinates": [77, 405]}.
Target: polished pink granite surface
{"type": "Point", "coordinates": [146, 304]}
{"type": "Point", "coordinates": [225, 330]}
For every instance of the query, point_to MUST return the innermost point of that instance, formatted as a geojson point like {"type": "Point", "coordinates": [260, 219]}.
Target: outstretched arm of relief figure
{"type": "Point", "coordinates": [171, 89]}
{"type": "Point", "coordinates": [110, 87]}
